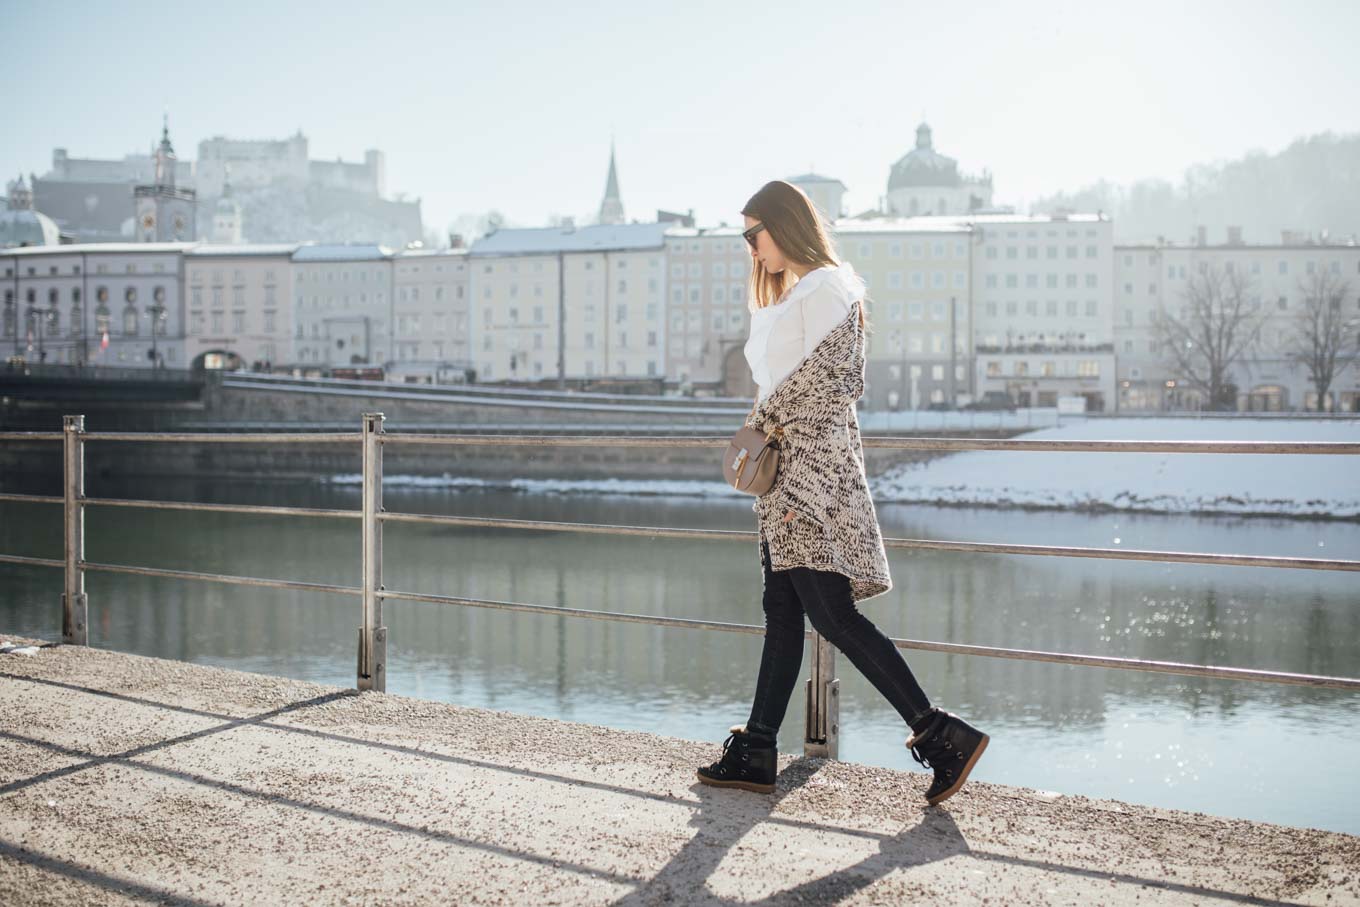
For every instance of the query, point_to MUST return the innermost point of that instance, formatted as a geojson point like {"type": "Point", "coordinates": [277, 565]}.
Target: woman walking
{"type": "Point", "coordinates": [820, 545]}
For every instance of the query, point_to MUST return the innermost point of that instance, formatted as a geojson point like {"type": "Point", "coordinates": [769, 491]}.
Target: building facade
{"type": "Point", "coordinates": [707, 315]}
{"type": "Point", "coordinates": [116, 304]}
{"type": "Point", "coordinates": [342, 312]}
{"type": "Point", "coordinates": [240, 308]}
{"type": "Point", "coordinates": [918, 272]}
{"type": "Point", "coordinates": [430, 317]}
{"type": "Point", "coordinates": [1043, 300]}
{"type": "Point", "coordinates": [1153, 279]}
{"type": "Point", "coordinates": [575, 306]}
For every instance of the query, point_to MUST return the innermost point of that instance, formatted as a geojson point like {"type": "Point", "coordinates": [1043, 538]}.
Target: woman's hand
{"type": "Point", "coordinates": [789, 517]}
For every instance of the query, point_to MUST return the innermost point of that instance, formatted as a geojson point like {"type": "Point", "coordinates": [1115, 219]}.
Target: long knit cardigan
{"type": "Point", "coordinates": [821, 467]}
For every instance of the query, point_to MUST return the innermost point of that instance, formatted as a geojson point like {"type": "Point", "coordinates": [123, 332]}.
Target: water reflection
{"type": "Point", "coordinates": [1159, 739]}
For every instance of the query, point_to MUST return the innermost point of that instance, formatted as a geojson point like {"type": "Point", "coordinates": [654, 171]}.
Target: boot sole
{"type": "Point", "coordinates": [963, 775]}
{"type": "Point", "coordinates": [743, 785]}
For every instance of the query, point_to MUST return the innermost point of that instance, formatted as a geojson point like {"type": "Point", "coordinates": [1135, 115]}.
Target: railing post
{"type": "Point", "coordinates": [75, 623]}
{"type": "Point", "coordinates": [372, 633]}
{"type": "Point", "coordinates": [822, 736]}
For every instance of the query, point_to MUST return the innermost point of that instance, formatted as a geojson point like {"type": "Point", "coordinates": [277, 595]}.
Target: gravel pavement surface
{"type": "Point", "coordinates": [132, 780]}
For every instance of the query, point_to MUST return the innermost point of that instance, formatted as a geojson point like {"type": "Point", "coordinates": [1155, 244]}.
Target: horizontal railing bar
{"type": "Point", "coordinates": [1124, 554]}
{"type": "Point", "coordinates": [1013, 444]}
{"type": "Point", "coordinates": [209, 437]}
{"type": "Point", "coordinates": [226, 578]}
{"type": "Point", "coordinates": [33, 498]}
{"type": "Point", "coordinates": [1128, 554]}
{"type": "Point", "coordinates": [555, 440]}
{"type": "Point", "coordinates": [32, 561]}
{"type": "Point", "coordinates": [271, 510]}
{"type": "Point", "coordinates": [1135, 554]}
{"type": "Point", "coordinates": [1133, 664]}
{"type": "Point", "coordinates": [622, 617]}
{"type": "Point", "coordinates": [1136, 664]}
{"type": "Point", "coordinates": [897, 443]}
{"type": "Point", "coordinates": [30, 436]}
{"type": "Point", "coordinates": [885, 442]}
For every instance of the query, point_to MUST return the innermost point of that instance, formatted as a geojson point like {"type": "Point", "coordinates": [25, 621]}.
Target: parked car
{"type": "Point", "coordinates": [993, 400]}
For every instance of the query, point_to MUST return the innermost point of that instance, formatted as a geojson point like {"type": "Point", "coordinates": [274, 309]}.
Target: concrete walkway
{"type": "Point", "coordinates": [130, 780]}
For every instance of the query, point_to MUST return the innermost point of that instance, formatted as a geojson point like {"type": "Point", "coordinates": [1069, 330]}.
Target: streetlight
{"type": "Point", "coordinates": [39, 316]}
{"type": "Point", "coordinates": [157, 312]}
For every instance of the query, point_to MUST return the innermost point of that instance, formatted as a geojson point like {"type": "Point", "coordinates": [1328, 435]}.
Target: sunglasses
{"type": "Point", "coordinates": [750, 235]}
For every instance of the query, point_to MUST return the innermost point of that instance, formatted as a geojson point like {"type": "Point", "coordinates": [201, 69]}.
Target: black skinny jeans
{"type": "Point", "coordinates": [824, 595]}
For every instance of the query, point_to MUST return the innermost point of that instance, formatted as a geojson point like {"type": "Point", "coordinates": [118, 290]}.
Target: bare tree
{"type": "Point", "coordinates": [1218, 324]}
{"type": "Point", "coordinates": [1324, 339]}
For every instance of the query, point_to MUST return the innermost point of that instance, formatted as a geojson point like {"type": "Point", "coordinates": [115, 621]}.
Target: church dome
{"type": "Point", "coordinates": [923, 166]}
{"type": "Point", "coordinates": [20, 225]}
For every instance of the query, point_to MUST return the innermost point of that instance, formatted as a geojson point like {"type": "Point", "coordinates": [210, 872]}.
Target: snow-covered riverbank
{"type": "Point", "coordinates": [1315, 486]}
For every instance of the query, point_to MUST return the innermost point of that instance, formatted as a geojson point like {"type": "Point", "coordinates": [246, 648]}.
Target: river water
{"type": "Point", "coordinates": [1260, 751]}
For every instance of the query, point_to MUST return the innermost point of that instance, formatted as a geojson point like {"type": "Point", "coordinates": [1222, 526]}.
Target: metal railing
{"type": "Point", "coordinates": [822, 724]}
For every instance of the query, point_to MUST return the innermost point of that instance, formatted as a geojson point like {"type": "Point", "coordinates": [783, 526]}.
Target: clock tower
{"type": "Point", "coordinates": [165, 212]}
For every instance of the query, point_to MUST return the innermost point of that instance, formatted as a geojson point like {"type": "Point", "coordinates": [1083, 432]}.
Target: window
{"type": "Point", "coordinates": [991, 281]}
{"type": "Point", "coordinates": [1031, 281]}
{"type": "Point", "coordinates": [937, 372]}
{"type": "Point", "coordinates": [991, 308]}
{"type": "Point", "coordinates": [993, 369]}
{"type": "Point", "coordinates": [1092, 252]}
{"type": "Point", "coordinates": [1090, 308]}
{"type": "Point", "coordinates": [1021, 367]}
{"type": "Point", "coordinates": [1071, 308]}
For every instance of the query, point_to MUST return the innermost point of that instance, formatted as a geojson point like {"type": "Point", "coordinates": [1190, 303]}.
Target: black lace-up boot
{"type": "Point", "coordinates": [749, 761]}
{"type": "Point", "coordinates": [950, 746]}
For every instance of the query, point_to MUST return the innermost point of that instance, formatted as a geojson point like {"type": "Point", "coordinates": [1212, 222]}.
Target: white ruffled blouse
{"type": "Point", "coordinates": [783, 334]}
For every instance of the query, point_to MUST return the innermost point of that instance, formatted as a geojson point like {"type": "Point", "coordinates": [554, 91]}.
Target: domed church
{"type": "Point", "coordinates": [20, 225]}
{"type": "Point", "coordinates": [923, 181]}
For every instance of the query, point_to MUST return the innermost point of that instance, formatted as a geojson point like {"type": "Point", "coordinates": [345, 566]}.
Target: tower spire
{"type": "Point", "coordinates": [611, 208]}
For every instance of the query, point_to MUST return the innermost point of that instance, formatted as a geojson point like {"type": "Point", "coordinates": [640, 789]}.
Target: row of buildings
{"type": "Point", "coordinates": [968, 302]}
{"type": "Point", "coordinates": [962, 308]}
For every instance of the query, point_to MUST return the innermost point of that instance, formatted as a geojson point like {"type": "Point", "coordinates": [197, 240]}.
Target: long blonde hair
{"type": "Point", "coordinates": [799, 230]}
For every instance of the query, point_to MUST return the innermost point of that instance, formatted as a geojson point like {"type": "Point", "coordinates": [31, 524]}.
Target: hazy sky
{"type": "Point", "coordinates": [511, 105]}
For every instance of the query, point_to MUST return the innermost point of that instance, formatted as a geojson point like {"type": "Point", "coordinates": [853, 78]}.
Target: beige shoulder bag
{"type": "Point", "coordinates": [752, 458]}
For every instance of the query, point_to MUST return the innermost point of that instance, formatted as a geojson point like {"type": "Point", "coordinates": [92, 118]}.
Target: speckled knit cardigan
{"type": "Point", "coordinates": [821, 467]}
